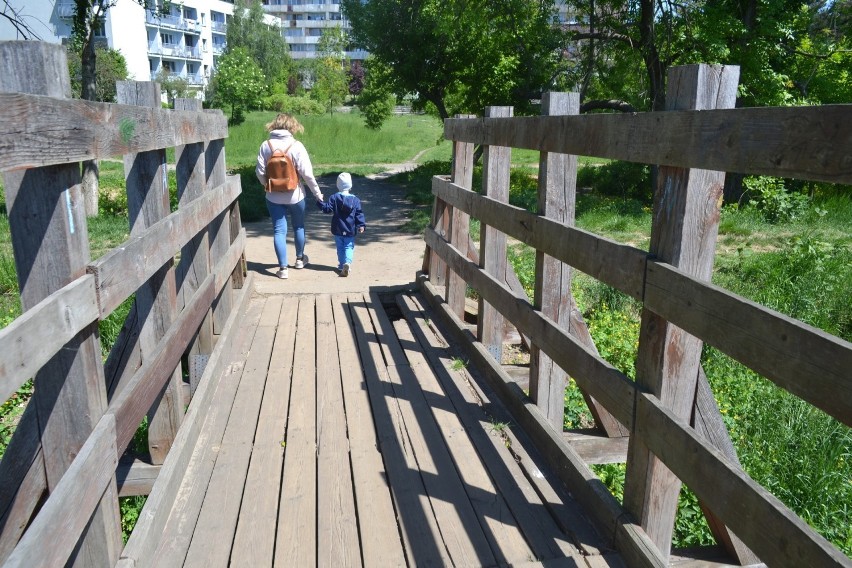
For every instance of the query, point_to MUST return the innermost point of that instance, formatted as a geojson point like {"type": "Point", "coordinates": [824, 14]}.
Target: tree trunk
{"type": "Point", "coordinates": [89, 93]}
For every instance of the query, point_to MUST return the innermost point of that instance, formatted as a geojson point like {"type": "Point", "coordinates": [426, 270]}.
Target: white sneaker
{"type": "Point", "coordinates": [301, 262]}
{"type": "Point", "coordinates": [345, 270]}
{"type": "Point", "coordinates": [282, 273]}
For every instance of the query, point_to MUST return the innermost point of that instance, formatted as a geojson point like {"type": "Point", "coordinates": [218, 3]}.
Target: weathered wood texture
{"type": "Point", "coordinates": [763, 141]}
{"type": "Point", "coordinates": [671, 280]}
{"type": "Point", "coordinates": [156, 299]}
{"type": "Point", "coordinates": [459, 232]}
{"type": "Point", "coordinates": [219, 229]}
{"type": "Point", "coordinates": [49, 240]}
{"type": "Point", "coordinates": [496, 163]}
{"type": "Point", "coordinates": [28, 125]}
{"type": "Point", "coordinates": [687, 207]}
{"type": "Point", "coordinates": [557, 189]}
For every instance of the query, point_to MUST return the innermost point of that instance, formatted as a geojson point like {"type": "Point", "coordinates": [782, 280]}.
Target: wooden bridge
{"type": "Point", "coordinates": [332, 430]}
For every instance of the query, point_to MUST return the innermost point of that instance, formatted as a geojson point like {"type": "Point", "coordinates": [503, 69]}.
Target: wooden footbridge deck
{"type": "Point", "coordinates": [342, 430]}
{"type": "Point", "coordinates": [341, 436]}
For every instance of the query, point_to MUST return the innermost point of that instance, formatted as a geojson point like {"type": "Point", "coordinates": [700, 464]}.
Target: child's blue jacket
{"type": "Point", "coordinates": [347, 212]}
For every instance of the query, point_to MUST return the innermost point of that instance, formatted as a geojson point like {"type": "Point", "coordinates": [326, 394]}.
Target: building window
{"type": "Point", "coordinates": [170, 66]}
{"type": "Point", "coordinates": [167, 39]}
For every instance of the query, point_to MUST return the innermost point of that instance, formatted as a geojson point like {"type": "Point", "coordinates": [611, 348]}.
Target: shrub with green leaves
{"type": "Point", "coordinates": [773, 200]}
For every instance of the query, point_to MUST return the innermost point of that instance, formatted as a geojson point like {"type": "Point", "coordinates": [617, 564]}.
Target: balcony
{"type": "Point", "coordinates": [173, 22]}
{"type": "Point", "coordinates": [174, 50]}
{"type": "Point", "coordinates": [218, 48]}
{"type": "Point", "coordinates": [219, 27]}
{"type": "Point", "coordinates": [65, 9]}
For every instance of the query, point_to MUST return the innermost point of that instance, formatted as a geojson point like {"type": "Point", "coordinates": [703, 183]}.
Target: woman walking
{"type": "Point", "coordinates": [281, 200]}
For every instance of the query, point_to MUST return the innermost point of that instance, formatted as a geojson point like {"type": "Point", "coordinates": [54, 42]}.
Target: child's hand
{"type": "Point", "coordinates": [319, 204]}
{"type": "Point", "coordinates": [360, 230]}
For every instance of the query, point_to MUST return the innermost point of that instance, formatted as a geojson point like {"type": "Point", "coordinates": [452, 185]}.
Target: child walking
{"type": "Point", "coordinates": [347, 221]}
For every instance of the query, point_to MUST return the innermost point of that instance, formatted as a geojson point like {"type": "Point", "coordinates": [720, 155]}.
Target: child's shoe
{"type": "Point", "coordinates": [346, 269]}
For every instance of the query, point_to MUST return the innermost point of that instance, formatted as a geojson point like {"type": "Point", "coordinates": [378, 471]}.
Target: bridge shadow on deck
{"type": "Point", "coordinates": [344, 433]}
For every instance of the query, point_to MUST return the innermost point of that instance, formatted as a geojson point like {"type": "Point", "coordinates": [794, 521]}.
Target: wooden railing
{"type": "Point", "coordinates": [675, 428]}
{"type": "Point", "coordinates": [59, 493]}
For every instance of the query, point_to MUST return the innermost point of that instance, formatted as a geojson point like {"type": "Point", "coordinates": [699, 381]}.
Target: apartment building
{"type": "Point", "coordinates": [304, 21]}
{"type": "Point", "coordinates": [184, 38]}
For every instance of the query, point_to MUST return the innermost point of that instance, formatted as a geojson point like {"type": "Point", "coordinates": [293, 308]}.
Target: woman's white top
{"type": "Point", "coordinates": [280, 140]}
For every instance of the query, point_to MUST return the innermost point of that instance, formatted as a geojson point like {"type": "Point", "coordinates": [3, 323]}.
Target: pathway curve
{"type": "Point", "coordinates": [384, 255]}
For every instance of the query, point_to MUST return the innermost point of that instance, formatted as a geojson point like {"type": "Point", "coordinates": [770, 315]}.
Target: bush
{"type": "Point", "coordinates": [774, 201]}
{"type": "Point", "coordinates": [618, 179]}
{"type": "Point", "coordinates": [279, 102]}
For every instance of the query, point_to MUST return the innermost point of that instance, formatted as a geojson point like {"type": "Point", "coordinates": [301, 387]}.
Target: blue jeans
{"type": "Point", "coordinates": [345, 250]}
{"type": "Point", "coordinates": [279, 228]}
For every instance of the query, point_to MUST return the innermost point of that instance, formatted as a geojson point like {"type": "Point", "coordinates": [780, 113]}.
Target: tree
{"type": "Point", "coordinates": [110, 66]}
{"type": "Point", "coordinates": [376, 100]}
{"type": "Point", "coordinates": [331, 85]}
{"type": "Point", "coordinates": [89, 16]}
{"type": "Point", "coordinates": [356, 78]}
{"type": "Point", "coordinates": [458, 55]}
{"type": "Point", "coordinates": [18, 21]}
{"type": "Point", "coordinates": [263, 43]}
{"type": "Point", "coordinates": [174, 86]}
{"type": "Point", "coordinates": [239, 82]}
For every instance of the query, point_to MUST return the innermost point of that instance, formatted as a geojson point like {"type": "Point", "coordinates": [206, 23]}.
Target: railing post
{"type": "Point", "coordinates": [194, 263]}
{"type": "Point", "coordinates": [50, 242]}
{"type": "Point", "coordinates": [220, 231]}
{"type": "Point", "coordinates": [685, 225]}
{"type": "Point", "coordinates": [557, 187]}
{"type": "Point", "coordinates": [497, 163]}
{"type": "Point", "coordinates": [156, 300]}
{"type": "Point", "coordinates": [460, 221]}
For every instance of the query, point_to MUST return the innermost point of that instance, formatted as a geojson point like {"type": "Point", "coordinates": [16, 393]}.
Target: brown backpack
{"type": "Point", "coordinates": [281, 174]}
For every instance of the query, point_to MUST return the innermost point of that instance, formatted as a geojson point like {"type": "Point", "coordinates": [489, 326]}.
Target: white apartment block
{"type": "Point", "coordinates": [304, 21]}
{"type": "Point", "coordinates": [186, 41]}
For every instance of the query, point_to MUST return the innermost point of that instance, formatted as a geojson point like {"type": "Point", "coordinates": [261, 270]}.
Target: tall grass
{"type": "Point", "coordinates": [342, 140]}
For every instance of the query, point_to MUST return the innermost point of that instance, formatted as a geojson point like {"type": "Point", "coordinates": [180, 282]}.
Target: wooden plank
{"type": "Point", "coordinates": [596, 448]}
{"type": "Point", "coordinates": [122, 270]}
{"type": "Point", "coordinates": [462, 534]}
{"type": "Point", "coordinates": [603, 381]}
{"type": "Point", "coordinates": [33, 338]}
{"type": "Point", "coordinates": [432, 264]}
{"type": "Point", "coordinates": [420, 532]}
{"type": "Point", "coordinates": [296, 539]}
{"type": "Point", "coordinates": [24, 499]}
{"type": "Point", "coordinates": [74, 499]}
{"type": "Point", "coordinates": [195, 255]}
{"type": "Point", "coordinates": [459, 232]}
{"type": "Point", "coordinates": [217, 521]}
{"type": "Point", "coordinates": [29, 126]}
{"type": "Point", "coordinates": [687, 205]}
{"type": "Point", "coordinates": [49, 233]}
{"type": "Point", "coordinates": [778, 347]}
{"type": "Point", "coordinates": [562, 508]}
{"type": "Point", "coordinates": [168, 518]}
{"type": "Point", "coordinates": [775, 533]}
{"type": "Point", "coordinates": [135, 477]}
{"type": "Point", "coordinates": [219, 229]}
{"type": "Point", "coordinates": [372, 494]}
{"type": "Point", "coordinates": [497, 162]}
{"type": "Point", "coordinates": [509, 498]}
{"type": "Point", "coordinates": [761, 141]}
{"type": "Point", "coordinates": [255, 538]}
{"type": "Point", "coordinates": [620, 266]}
{"type": "Point", "coordinates": [557, 193]}
{"type": "Point", "coordinates": [599, 504]}
{"type": "Point", "coordinates": [337, 538]}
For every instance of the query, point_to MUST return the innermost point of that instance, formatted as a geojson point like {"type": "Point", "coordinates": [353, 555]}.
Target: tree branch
{"type": "Point", "coordinates": [605, 36]}
{"type": "Point", "coordinates": [611, 104]}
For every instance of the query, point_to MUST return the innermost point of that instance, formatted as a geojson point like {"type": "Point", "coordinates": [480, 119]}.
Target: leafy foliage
{"type": "Point", "coordinates": [376, 100]}
{"type": "Point", "coordinates": [263, 43]}
{"type": "Point", "coordinates": [239, 82]}
{"type": "Point", "coordinates": [330, 69]}
{"type": "Point", "coordinates": [110, 66]}
{"type": "Point", "coordinates": [458, 56]}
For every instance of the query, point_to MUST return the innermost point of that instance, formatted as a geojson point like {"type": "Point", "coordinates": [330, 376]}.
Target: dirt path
{"type": "Point", "coordinates": [384, 256]}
